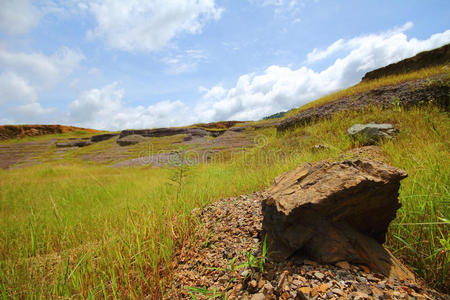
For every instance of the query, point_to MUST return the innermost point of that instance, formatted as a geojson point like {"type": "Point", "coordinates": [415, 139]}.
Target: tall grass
{"type": "Point", "coordinates": [95, 231]}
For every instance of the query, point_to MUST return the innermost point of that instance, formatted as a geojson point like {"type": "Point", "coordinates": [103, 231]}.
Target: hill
{"type": "Point", "coordinates": [176, 212]}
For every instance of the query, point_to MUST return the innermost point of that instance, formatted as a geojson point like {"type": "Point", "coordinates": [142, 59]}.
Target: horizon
{"type": "Point", "coordinates": [111, 65]}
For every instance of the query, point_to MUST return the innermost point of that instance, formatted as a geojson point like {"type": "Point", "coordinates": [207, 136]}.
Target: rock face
{"type": "Point", "coordinates": [408, 94]}
{"type": "Point", "coordinates": [333, 212]}
{"type": "Point", "coordinates": [130, 140]}
{"type": "Point", "coordinates": [74, 143]}
{"type": "Point", "coordinates": [435, 57]}
{"type": "Point", "coordinates": [103, 137]}
{"type": "Point", "coordinates": [371, 133]}
{"type": "Point", "coordinates": [159, 132]}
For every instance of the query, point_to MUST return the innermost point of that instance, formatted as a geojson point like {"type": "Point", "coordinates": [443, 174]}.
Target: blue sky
{"type": "Point", "coordinates": [149, 63]}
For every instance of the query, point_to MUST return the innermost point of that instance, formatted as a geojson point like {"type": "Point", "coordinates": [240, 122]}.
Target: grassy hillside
{"type": "Point", "coordinates": [92, 231]}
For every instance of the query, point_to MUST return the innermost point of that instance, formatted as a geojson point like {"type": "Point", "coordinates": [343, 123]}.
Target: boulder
{"type": "Point", "coordinates": [130, 140]}
{"type": "Point", "coordinates": [103, 137]}
{"type": "Point", "coordinates": [335, 211]}
{"type": "Point", "coordinates": [371, 133]}
{"type": "Point", "coordinates": [73, 143]}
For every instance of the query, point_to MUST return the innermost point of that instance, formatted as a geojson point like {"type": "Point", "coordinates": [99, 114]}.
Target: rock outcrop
{"type": "Point", "coordinates": [408, 94]}
{"type": "Point", "coordinates": [74, 143]}
{"type": "Point", "coordinates": [130, 140]}
{"type": "Point", "coordinates": [160, 132]}
{"type": "Point", "coordinates": [21, 131]}
{"type": "Point", "coordinates": [103, 137]}
{"type": "Point", "coordinates": [332, 212]}
{"type": "Point", "coordinates": [426, 59]}
{"type": "Point", "coordinates": [371, 133]}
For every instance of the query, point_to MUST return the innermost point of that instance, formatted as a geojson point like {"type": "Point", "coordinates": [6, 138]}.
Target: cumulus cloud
{"type": "Point", "coordinates": [281, 88]}
{"type": "Point", "coordinates": [17, 16]}
{"type": "Point", "coordinates": [142, 25]}
{"type": "Point", "coordinates": [25, 75]}
{"type": "Point", "coordinates": [40, 69]}
{"type": "Point", "coordinates": [103, 108]}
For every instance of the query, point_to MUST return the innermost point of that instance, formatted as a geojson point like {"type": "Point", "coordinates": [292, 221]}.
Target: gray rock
{"type": "Point", "coordinates": [130, 140]}
{"type": "Point", "coordinates": [74, 143]}
{"type": "Point", "coordinates": [371, 133]}
{"type": "Point", "coordinates": [103, 137]}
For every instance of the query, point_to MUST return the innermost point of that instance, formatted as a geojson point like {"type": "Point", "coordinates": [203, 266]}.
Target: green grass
{"type": "Point", "coordinates": [92, 231]}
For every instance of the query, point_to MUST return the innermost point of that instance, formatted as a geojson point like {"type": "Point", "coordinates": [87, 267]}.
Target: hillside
{"type": "Point", "coordinates": [173, 213]}
{"type": "Point", "coordinates": [22, 131]}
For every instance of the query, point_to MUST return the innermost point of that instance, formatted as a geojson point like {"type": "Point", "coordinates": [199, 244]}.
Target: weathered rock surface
{"type": "Point", "coordinates": [130, 140]}
{"type": "Point", "coordinates": [74, 143]}
{"type": "Point", "coordinates": [435, 89]}
{"type": "Point", "coordinates": [103, 137]}
{"type": "Point", "coordinates": [371, 133]}
{"type": "Point", "coordinates": [333, 212]}
{"type": "Point", "coordinates": [159, 132]}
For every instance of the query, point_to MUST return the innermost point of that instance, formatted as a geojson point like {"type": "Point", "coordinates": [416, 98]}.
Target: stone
{"type": "Point", "coordinates": [130, 140]}
{"type": "Point", "coordinates": [103, 137]}
{"type": "Point", "coordinates": [343, 265]}
{"type": "Point", "coordinates": [74, 143]}
{"type": "Point", "coordinates": [371, 133]}
{"type": "Point", "coordinates": [335, 211]}
{"type": "Point", "coordinates": [258, 296]}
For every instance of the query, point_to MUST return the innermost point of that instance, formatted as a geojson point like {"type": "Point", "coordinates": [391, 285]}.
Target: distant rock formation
{"type": "Point", "coordinates": [21, 131]}
{"type": "Point", "coordinates": [435, 89]}
{"type": "Point", "coordinates": [130, 140]}
{"type": "Point", "coordinates": [159, 132]}
{"type": "Point", "coordinates": [332, 212]}
{"type": "Point", "coordinates": [103, 137]}
{"type": "Point", "coordinates": [435, 57]}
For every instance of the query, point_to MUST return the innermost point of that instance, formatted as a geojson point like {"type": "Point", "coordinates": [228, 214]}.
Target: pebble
{"type": "Point", "coordinates": [319, 275]}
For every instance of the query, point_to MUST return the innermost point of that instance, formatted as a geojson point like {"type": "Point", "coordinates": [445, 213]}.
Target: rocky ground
{"type": "Point", "coordinates": [226, 261]}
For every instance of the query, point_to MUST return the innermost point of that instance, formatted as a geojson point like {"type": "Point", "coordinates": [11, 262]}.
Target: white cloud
{"type": "Point", "coordinates": [15, 89]}
{"type": "Point", "coordinates": [185, 62]}
{"type": "Point", "coordinates": [283, 7]}
{"type": "Point", "coordinates": [41, 70]}
{"type": "Point", "coordinates": [25, 75]}
{"type": "Point", "coordinates": [142, 25]}
{"type": "Point", "coordinates": [17, 16]}
{"type": "Point", "coordinates": [104, 109]}
{"type": "Point", "coordinates": [281, 88]}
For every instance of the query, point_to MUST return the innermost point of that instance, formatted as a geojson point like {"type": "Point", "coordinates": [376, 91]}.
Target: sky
{"type": "Point", "coordinates": [115, 64]}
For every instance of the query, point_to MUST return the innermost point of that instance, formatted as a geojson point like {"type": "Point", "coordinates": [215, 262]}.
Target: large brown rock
{"type": "Point", "coordinates": [335, 211]}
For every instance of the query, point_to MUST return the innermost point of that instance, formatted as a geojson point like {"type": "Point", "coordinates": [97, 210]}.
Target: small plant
{"type": "Point", "coordinates": [396, 103]}
{"type": "Point", "coordinates": [206, 293]}
{"type": "Point", "coordinates": [256, 261]}
{"type": "Point", "coordinates": [180, 172]}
